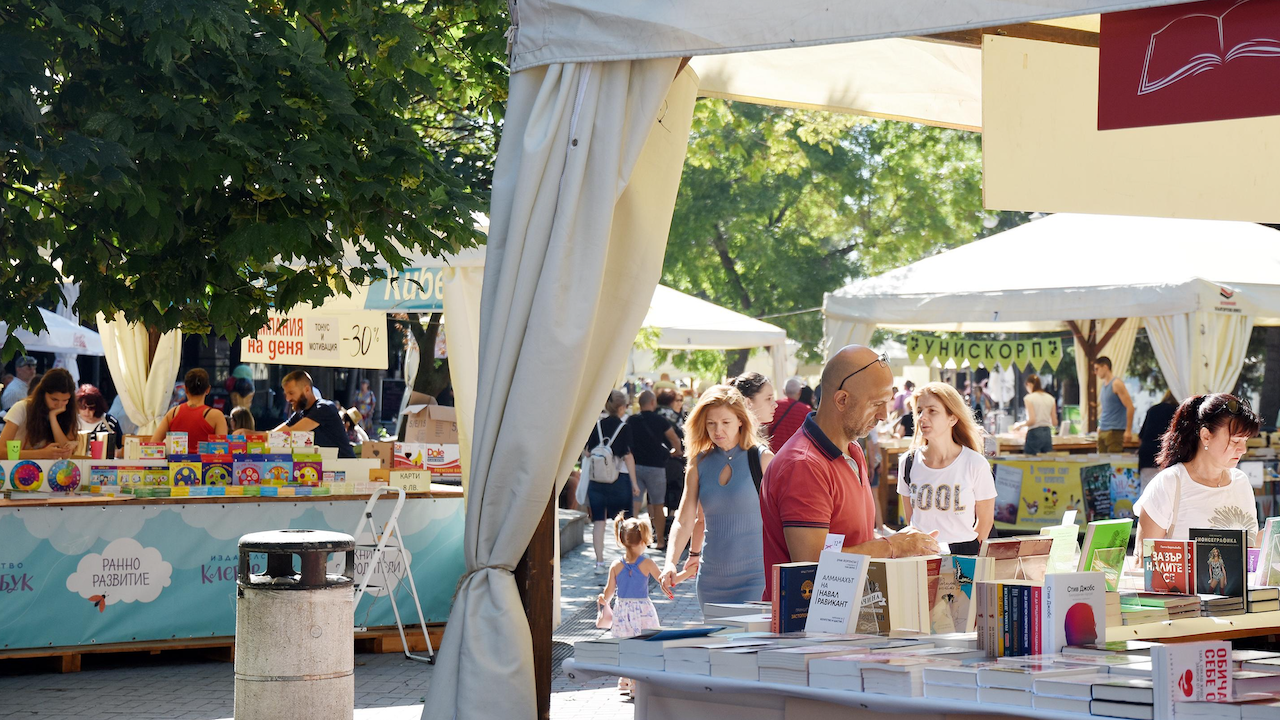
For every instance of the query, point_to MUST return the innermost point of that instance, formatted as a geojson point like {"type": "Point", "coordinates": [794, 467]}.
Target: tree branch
{"type": "Point", "coordinates": [313, 22]}
{"type": "Point", "coordinates": [721, 244]}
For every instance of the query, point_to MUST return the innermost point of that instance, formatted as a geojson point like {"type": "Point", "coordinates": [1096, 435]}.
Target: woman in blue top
{"type": "Point", "coordinates": [722, 433]}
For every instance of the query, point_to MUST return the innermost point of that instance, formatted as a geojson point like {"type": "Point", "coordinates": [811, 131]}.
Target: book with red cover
{"type": "Point", "coordinates": [1168, 566]}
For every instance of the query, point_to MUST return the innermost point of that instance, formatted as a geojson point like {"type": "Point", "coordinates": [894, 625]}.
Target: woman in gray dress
{"type": "Point", "coordinates": [722, 435]}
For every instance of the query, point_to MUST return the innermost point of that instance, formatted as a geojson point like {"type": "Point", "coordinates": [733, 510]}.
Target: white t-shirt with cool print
{"type": "Point", "coordinates": [944, 499]}
{"type": "Point", "coordinates": [1230, 507]}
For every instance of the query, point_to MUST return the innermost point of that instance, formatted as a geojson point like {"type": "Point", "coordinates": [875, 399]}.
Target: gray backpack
{"type": "Point", "coordinates": [603, 464]}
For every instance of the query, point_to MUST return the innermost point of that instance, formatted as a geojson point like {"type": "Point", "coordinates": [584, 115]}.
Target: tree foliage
{"type": "Point", "coordinates": [778, 206]}
{"type": "Point", "coordinates": [193, 162]}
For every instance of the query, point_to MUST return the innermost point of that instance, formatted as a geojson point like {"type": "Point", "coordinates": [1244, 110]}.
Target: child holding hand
{"type": "Point", "coordinates": [633, 613]}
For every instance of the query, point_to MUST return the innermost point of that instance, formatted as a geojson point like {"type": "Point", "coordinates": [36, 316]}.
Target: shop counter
{"type": "Point", "coordinates": [88, 571]}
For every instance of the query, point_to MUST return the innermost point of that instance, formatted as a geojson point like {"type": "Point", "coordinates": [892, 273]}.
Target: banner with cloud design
{"type": "Point", "coordinates": [77, 575]}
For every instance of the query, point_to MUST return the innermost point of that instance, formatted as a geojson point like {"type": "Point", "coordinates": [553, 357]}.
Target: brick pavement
{"type": "Point", "coordinates": [182, 685]}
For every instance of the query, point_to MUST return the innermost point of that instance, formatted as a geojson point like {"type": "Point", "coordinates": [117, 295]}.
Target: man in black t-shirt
{"type": "Point", "coordinates": [653, 441]}
{"type": "Point", "coordinates": [310, 413]}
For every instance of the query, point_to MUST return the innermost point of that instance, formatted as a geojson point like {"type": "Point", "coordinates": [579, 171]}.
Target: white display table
{"type": "Point", "coordinates": [1201, 628]}
{"type": "Point", "coordinates": [664, 695]}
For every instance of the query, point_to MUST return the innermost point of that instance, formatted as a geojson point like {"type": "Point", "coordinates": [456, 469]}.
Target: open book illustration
{"type": "Point", "coordinates": [1198, 42]}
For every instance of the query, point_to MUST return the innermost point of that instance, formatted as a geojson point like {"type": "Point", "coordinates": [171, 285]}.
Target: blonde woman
{"type": "Point", "coordinates": [726, 453]}
{"type": "Point", "coordinates": [944, 480]}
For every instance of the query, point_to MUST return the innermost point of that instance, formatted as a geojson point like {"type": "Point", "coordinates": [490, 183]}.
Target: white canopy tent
{"type": "Point", "coordinates": [1198, 305]}
{"type": "Point", "coordinates": [685, 322]}
{"type": "Point", "coordinates": [60, 336]}
{"type": "Point", "coordinates": [585, 181]}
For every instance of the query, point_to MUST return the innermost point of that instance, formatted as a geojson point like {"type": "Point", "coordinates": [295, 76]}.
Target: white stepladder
{"type": "Point", "coordinates": [390, 537]}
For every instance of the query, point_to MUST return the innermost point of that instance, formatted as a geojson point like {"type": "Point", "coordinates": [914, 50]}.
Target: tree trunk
{"type": "Point", "coordinates": [1269, 403]}
{"type": "Point", "coordinates": [737, 360]}
{"type": "Point", "coordinates": [430, 380]}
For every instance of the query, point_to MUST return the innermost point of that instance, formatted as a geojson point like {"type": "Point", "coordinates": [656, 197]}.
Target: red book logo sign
{"type": "Point", "coordinates": [1192, 62]}
{"type": "Point", "coordinates": [1226, 292]}
{"type": "Point", "coordinates": [1185, 684]}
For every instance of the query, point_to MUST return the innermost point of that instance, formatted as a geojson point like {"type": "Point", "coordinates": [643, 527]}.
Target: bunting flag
{"type": "Point", "coordinates": [1033, 352]}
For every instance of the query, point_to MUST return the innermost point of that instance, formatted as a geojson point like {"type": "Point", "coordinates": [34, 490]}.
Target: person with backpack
{"type": "Point", "coordinates": [654, 443]}
{"type": "Point", "coordinates": [610, 470]}
{"type": "Point", "coordinates": [944, 481]}
{"type": "Point", "coordinates": [727, 461]}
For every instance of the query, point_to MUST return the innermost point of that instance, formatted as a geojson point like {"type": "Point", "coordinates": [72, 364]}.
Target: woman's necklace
{"type": "Point", "coordinates": [1217, 482]}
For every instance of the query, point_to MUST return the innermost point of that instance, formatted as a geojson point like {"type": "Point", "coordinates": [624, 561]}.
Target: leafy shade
{"type": "Point", "coordinates": [193, 163]}
{"type": "Point", "coordinates": [778, 206]}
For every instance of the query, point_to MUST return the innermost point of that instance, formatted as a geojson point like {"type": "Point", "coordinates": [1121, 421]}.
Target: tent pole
{"type": "Point", "coordinates": [1089, 393]}
{"type": "Point", "coordinates": [535, 579]}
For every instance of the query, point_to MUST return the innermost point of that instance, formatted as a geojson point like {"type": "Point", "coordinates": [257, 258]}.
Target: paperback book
{"type": "Point", "coordinates": [1220, 564]}
{"type": "Point", "coordinates": [1168, 566]}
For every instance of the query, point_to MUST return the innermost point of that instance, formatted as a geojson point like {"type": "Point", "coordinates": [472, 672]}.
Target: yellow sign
{"type": "Point", "coordinates": [1035, 352]}
{"type": "Point", "coordinates": [1031, 494]}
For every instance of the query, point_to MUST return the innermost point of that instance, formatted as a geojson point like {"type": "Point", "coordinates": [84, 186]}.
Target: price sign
{"type": "Point", "coordinates": [356, 339]}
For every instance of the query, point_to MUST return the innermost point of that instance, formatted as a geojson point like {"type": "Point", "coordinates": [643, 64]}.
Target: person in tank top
{"type": "Point", "coordinates": [193, 417]}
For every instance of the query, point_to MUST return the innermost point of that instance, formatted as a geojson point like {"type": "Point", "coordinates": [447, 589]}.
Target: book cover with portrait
{"type": "Point", "coordinates": [1220, 561]}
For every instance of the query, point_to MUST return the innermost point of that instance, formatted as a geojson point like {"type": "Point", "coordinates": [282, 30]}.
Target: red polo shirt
{"type": "Point", "coordinates": [810, 483]}
{"type": "Point", "coordinates": [787, 419]}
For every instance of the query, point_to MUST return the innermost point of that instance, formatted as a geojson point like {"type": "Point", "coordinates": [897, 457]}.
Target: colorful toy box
{"type": "Point", "coordinates": [217, 469]}
{"type": "Point", "coordinates": [215, 448]}
{"type": "Point", "coordinates": [302, 438]}
{"type": "Point", "coordinates": [184, 470]}
{"type": "Point", "coordinates": [151, 451]}
{"type": "Point", "coordinates": [276, 469]}
{"type": "Point", "coordinates": [247, 471]}
{"type": "Point", "coordinates": [100, 476]}
{"type": "Point", "coordinates": [308, 470]}
{"type": "Point", "coordinates": [175, 443]}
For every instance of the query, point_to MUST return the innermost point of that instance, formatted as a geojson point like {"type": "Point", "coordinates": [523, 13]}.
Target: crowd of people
{"type": "Point", "coordinates": [766, 482]}
{"type": "Point", "coordinates": [48, 412]}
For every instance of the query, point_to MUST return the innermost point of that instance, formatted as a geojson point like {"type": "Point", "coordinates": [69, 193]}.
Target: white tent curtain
{"type": "Point", "coordinates": [1200, 352]}
{"type": "Point", "coordinates": [583, 194]}
{"type": "Point", "coordinates": [462, 290]}
{"type": "Point", "coordinates": [1119, 348]}
{"type": "Point", "coordinates": [840, 332]}
{"type": "Point", "coordinates": [145, 388]}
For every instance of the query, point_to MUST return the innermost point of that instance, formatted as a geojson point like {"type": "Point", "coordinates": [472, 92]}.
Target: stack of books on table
{"type": "Point", "coordinates": [603, 651]}
{"type": "Point", "coordinates": [1011, 683]}
{"type": "Point", "coordinates": [1173, 606]}
{"type": "Point", "coordinates": [1264, 599]}
{"type": "Point", "coordinates": [741, 662]}
{"type": "Point", "coordinates": [849, 672]}
{"type": "Point", "coordinates": [1070, 693]}
{"type": "Point", "coordinates": [1115, 616]}
{"type": "Point", "coordinates": [1124, 697]}
{"type": "Point", "coordinates": [790, 666]}
{"type": "Point", "coordinates": [695, 659]}
{"type": "Point", "coordinates": [1136, 615]}
{"type": "Point", "coordinates": [714, 612]}
{"type": "Point", "coordinates": [756, 622]}
{"type": "Point", "coordinates": [1221, 605]}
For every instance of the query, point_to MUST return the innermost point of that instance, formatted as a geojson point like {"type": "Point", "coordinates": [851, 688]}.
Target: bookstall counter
{"type": "Point", "coordinates": [85, 571]}
{"type": "Point", "coordinates": [1231, 627]}
{"type": "Point", "coordinates": [661, 695]}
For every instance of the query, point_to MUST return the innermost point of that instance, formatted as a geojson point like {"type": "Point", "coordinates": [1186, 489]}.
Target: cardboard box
{"type": "Point", "coordinates": [276, 469]}
{"type": "Point", "coordinates": [217, 469]}
{"type": "Point", "coordinates": [184, 470]}
{"type": "Point", "coordinates": [303, 438]}
{"type": "Point", "coordinates": [308, 470]}
{"type": "Point", "coordinates": [427, 422]}
{"type": "Point", "coordinates": [176, 443]}
{"type": "Point", "coordinates": [247, 472]}
{"type": "Point", "coordinates": [383, 452]}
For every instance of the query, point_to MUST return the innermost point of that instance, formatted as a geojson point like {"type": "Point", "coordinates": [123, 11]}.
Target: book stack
{"type": "Point", "coordinates": [758, 622]}
{"type": "Point", "coordinates": [1264, 599]}
{"type": "Point", "coordinates": [1011, 683]}
{"type": "Point", "coordinates": [793, 585]}
{"type": "Point", "coordinates": [1114, 609]}
{"type": "Point", "coordinates": [736, 663]}
{"type": "Point", "coordinates": [1138, 615]}
{"type": "Point", "coordinates": [846, 672]}
{"type": "Point", "coordinates": [901, 676]}
{"type": "Point", "coordinates": [1009, 617]}
{"type": "Point", "coordinates": [1190, 672]}
{"type": "Point", "coordinates": [1018, 558]}
{"type": "Point", "coordinates": [1131, 697]}
{"type": "Point", "coordinates": [790, 666]}
{"type": "Point", "coordinates": [1175, 607]}
{"type": "Point", "coordinates": [1069, 693]}
{"type": "Point", "coordinates": [714, 611]}
{"type": "Point", "coordinates": [896, 596]}
{"type": "Point", "coordinates": [1118, 647]}
{"type": "Point", "coordinates": [1221, 605]}
{"type": "Point", "coordinates": [1245, 706]}
{"type": "Point", "coordinates": [648, 649]}
{"type": "Point", "coordinates": [696, 659]}
{"type": "Point", "coordinates": [951, 607]}
{"type": "Point", "coordinates": [599, 652]}
{"type": "Point", "coordinates": [955, 682]}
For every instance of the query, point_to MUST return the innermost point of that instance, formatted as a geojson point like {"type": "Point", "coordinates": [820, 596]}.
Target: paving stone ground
{"type": "Point", "coordinates": [182, 685]}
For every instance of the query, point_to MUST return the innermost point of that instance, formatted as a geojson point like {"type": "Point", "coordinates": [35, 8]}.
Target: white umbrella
{"type": "Point", "coordinates": [60, 336]}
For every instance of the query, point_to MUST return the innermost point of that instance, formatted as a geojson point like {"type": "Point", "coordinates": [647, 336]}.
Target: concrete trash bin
{"type": "Point", "coordinates": [295, 654]}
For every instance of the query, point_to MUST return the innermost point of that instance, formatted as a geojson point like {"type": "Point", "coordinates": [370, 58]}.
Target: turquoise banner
{"type": "Point", "coordinates": [81, 575]}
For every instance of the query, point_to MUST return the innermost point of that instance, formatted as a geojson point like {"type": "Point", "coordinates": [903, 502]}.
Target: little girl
{"type": "Point", "coordinates": [634, 611]}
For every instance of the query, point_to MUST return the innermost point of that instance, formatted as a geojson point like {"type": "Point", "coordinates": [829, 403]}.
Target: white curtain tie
{"type": "Point", "coordinates": [458, 588]}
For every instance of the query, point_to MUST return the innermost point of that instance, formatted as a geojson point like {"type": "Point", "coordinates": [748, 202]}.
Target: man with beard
{"type": "Point", "coordinates": [818, 482]}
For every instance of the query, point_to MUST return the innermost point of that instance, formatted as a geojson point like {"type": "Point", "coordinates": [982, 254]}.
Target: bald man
{"type": "Point", "coordinates": [818, 482]}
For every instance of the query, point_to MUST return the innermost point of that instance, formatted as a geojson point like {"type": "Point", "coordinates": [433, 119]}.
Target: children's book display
{"type": "Point", "coordinates": [221, 466]}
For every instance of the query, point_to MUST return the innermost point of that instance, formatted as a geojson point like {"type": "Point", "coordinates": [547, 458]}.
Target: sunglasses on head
{"type": "Point", "coordinates": [882, 360]}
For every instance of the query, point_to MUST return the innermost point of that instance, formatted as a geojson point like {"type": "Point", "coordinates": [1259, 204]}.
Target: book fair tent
{"type": "Point", "coordinates": [1198, 305]}
{"type": "Point", "coordinates": [59, 336]}
{"type": "Point", "coordinates": [684, 322]}
{"type": "Point", "coordinates": [584, 186]}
